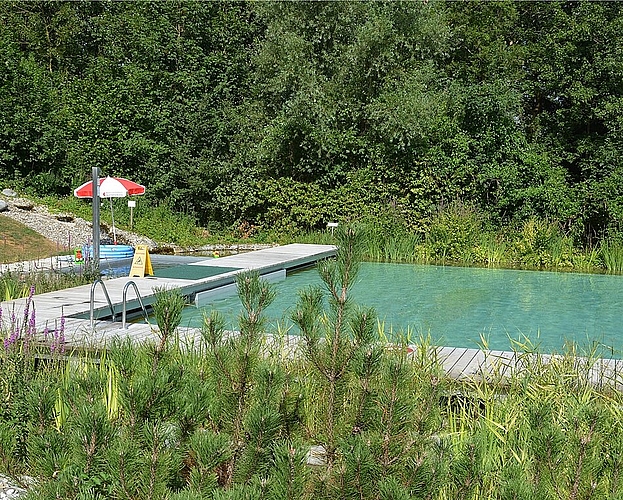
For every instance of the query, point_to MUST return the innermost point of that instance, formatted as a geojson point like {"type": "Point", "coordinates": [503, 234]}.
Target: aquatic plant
{"type": "Point", "coordinates": [611, 252]}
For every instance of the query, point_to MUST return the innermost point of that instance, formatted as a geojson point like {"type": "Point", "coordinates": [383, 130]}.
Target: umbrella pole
{"type": "Point", "coordinates": [112, 214]}
{"type": "Point", "coordinates": [96, 218]}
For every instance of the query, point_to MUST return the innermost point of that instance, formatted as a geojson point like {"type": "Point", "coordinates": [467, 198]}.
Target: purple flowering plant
{"type": "Point", "coordinates": [22, 333]}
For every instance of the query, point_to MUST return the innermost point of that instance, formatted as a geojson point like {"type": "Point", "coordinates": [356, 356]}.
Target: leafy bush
{"type": "Point", "coordinates": [454, 232]}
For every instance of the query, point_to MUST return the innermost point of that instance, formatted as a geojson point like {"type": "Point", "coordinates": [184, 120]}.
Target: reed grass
{"type": "Point", "coordinates": [611, 252]}
{"type": "Point", "coordinates": [15, 284]}
{"type": "Point", "coordinates": [536, 245]}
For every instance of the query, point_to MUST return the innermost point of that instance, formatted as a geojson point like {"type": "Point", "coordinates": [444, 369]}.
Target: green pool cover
{"type": "Point", "coordinates": [189, 272]}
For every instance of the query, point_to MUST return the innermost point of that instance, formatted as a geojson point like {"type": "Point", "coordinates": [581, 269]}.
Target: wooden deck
{"type": "Point", "coordinates": [465, 364]}
{"type": "Point", "coordinates": [74, 305]}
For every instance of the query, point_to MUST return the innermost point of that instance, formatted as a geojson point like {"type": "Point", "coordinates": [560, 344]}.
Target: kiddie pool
{"type": "Point", "coordinates": [111, 252]}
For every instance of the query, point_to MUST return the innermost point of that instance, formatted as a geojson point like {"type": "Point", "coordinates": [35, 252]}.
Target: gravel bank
{"type": "Point", "coordinates": [64, 229]}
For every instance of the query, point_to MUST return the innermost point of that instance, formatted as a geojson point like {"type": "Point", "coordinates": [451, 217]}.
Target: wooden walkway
{"type": "Point", "coordinates": [465, 364]}
{"type": "Point", "coordinates": [74, 306]}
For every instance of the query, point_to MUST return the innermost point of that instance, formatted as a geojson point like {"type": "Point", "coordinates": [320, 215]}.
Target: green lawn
{"type": "Point", "coordinates": [19, 242]}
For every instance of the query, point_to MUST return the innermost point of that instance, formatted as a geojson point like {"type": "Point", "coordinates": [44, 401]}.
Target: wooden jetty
{"type": "Point", "coordinates": [74, 304]}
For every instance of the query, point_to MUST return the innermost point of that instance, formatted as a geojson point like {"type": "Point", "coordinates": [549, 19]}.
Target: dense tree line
{"type": "Point", "coordinates": [287, 115]}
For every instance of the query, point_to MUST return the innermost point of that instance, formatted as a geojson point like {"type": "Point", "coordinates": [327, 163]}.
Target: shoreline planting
{"type": "Point", "coordinates": [232, 416]}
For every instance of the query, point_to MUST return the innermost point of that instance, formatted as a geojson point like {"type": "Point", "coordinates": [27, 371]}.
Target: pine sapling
{"type": "Point", "coordinates": [334, 336]}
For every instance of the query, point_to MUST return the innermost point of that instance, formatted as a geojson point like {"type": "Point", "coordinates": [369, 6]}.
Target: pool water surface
{"type": "Point", "coordinates": [458, 306]}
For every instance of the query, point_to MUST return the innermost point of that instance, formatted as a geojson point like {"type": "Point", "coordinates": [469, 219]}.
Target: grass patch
{"type": "Point", "coordinates": [18, 242]}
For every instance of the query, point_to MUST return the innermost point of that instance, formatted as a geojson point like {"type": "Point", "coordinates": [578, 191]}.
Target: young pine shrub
{"type": "Point", "coordinates": [289, 475]}
{"type": "Point", "coordinates": [250, 391]}
{"type": "Point", "coordinates": [147, 383]}
{"type": "Point", "coordinates": [146, 459]}
{"type": "Point", "coordinates": [333, 338]}
{"type": "Point", "coordinates": [145, 465]}
{"type": "Point", "coordinates": [168, 308]}
{"type": "Point", "coordinates": [89, 435]}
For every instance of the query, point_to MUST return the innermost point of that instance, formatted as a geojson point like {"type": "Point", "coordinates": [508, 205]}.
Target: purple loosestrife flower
{"type": "Point", "coordinates": [11, 340]}
{"type": "Point", "coordinates": [1, 326]}
{"type": "Point", "coordinates": [62, 335]}
{"type": "Point", "coordinates": [31, 294]}
{"type": "Point", "coordinates": [57, 343]}
{"type": "Point", "coordinates": [13, 329]}
{"type": "Point", "coordinates": [29, 334]}
{"type": "Point", "coordinates": [32, 323]}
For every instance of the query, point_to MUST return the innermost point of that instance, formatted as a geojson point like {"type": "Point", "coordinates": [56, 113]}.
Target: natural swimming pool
{"type": "Point", "coordinates": [456, 305]}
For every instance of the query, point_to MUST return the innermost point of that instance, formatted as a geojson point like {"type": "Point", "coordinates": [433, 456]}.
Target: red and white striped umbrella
{"type": "Point", "coordinates": [110, 187]}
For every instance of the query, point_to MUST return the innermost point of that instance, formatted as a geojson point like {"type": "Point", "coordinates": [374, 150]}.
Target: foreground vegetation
{"type": "Point", "coordinates": [239, 416]}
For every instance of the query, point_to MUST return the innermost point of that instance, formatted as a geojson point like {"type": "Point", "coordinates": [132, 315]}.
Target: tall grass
{"type": "Point", "coordinates": [491, 250]}
{"type": "Point", "coordinates": [611, 252]}
{"type": "Point", "coordinates": [383, 246]}
{"type": "Point", "coordinates": [15, 285]}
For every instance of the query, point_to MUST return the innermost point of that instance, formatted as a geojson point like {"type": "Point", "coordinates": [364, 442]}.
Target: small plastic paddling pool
{"type": "Point", "coordinates": [112, 252]}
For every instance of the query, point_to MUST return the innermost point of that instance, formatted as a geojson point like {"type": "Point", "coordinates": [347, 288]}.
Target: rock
{"type": "Point", "coordinates": [23, 204]}
{"type": "Point", "coordinates": [3, 206]}
{"type": "Point", "coordinates": [317, 455]}
{"type": "Point", "coordinates": [64, 217]}
{"type": "Point", "coordinates": [9, 192]}
{"type": "Point", "coordinates": [9, 491]}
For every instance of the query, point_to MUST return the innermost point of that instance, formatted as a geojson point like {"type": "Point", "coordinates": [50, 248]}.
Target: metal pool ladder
{"type": "Point", "coordinates": [111, 307]}
{"type": "Point", "coordinates": [140, 301]}
{"type": "Point", "coordinates": [92, 300]}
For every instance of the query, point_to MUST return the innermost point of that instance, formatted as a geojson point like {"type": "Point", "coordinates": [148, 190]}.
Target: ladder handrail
{"type": "Point", "coordinates": [92, 300]}
{"type": "Point", "coordinates": [140, 301]}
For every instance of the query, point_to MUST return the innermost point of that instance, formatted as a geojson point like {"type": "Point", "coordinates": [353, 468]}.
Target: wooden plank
{"type": "Point", "coordinates": [454, 361]}
{"type": "Point", "coordinates": [468, 365]}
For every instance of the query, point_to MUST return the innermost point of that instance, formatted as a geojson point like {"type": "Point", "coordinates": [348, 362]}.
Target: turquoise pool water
{"type": "Point", "coordinates": [457, 305]}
